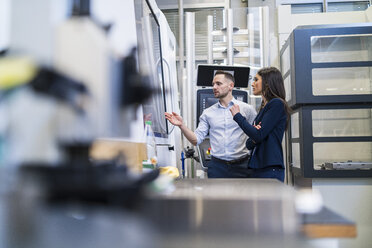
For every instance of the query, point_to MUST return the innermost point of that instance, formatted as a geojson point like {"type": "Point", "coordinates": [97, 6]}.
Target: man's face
{"type": "Point", "coordinates": [221, 86]}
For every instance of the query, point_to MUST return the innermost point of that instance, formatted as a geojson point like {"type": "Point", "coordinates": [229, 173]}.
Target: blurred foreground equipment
{"type": "Point", "coordinates": [81, 180]}
{"type": "Point", "coordinates": [37, 107]}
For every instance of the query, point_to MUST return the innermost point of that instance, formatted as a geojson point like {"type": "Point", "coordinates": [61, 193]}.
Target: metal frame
{"type": "Point", "coordinates": [306, 141]}
{"type": "Point", "coordinates": [230, 31]}
{"type": "Point", "coordinates": [190, 68]}
{"type": "Point", "coordinates": [188, 94]}
{"type": "Point", "coordinates": [301, 65]}
{"type": "Point", "coordinates": [194, 5]}
{"type": "Point", "coordinates": [303, 101]}
{"type": "Point", "coordinates": [165, 129]}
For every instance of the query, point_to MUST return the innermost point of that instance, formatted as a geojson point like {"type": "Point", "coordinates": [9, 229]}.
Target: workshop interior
{"type": "Point", "coordinates": [88, 159]}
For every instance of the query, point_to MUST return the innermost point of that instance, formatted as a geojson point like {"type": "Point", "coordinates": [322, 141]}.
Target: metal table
{"type": "Point", "coordinates": [222, 206]}
{"type": "Point", "coordinates": [197, 213]}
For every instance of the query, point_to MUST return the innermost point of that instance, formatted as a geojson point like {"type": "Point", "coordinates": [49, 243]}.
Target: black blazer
{"type": "Point", "coordinates": [266, 143]}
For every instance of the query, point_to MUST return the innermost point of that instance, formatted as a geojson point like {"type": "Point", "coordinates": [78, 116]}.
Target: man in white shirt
{"type": "Point", "coordinates": [229, 152]}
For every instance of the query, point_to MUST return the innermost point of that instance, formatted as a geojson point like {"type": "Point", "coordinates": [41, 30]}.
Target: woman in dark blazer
{"type": "Point", "coordinates": [267, 130]}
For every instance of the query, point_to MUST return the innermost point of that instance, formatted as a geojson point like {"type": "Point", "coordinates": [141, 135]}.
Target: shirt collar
{"type": "Point", "coordinates": [232, 102]}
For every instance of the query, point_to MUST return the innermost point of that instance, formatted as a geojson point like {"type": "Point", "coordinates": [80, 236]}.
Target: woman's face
{"type": "Point", "coordinates": [257, 85]}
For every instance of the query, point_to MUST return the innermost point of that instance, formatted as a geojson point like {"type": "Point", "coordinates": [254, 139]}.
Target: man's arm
{"type": "Point", "coordinates": [176, 120]}
{"type": "Point", "coordinates": [190, 135]}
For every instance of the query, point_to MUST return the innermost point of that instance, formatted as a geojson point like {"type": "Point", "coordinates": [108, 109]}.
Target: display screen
{"type": "Point", "coordinates": [206, 74]}
{"type": "Point", "coordinates": [148, 29]}
{"type": "Point", "coordinates": [210, 101]}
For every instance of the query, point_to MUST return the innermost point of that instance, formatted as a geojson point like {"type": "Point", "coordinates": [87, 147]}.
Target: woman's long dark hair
{"type": "Point", "coordinates": [273, 87]}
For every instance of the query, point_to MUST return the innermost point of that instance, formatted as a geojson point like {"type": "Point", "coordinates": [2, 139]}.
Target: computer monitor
{"type": "Point", "coordinates": [207, 72]}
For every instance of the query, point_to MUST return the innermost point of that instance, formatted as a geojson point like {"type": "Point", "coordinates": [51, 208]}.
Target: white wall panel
{"type": "Point", "coordinates": [4, 23]}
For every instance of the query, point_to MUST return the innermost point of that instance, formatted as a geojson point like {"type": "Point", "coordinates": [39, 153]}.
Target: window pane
{"type": "Point", "coordinates": [296, 161]}
{"type": "Point", "coordinates": [342, 155]}
{"type": "Point", "coordinates": [342, 122]}
{"type": "Point", "coordinates": [347, 6]}
{"type": "Point", "coordinates": [200, 25]}
{"type": "Point", "coordinates": [342, 81]}
{"type": "Point", "coordinates": [346, 48]}
{"type": "Point", "coordinates": [306, 8]}
{"type": "Point", "coordinates": [295, 126]}
{"type": "Point", "coordinates": [287, 86]}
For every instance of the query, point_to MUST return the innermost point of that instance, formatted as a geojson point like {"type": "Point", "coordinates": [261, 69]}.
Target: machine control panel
{"type": "Point", "coordinates": [204, 150]}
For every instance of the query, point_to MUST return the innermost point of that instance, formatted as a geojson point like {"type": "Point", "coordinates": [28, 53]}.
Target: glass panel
{"type": "Point", "coordinates": [201, 29]}
{"type": "Point", "coordinates": [247, 23]}
{"type": "Point", "coordinates": [296, 156]}
{"type": "Point", "coordinates": [347, 6]}
{"type": "Point", "coordinates": [287, 87]}
{"type": "Point", "coordinates": [342, 81]}
{"type": "Point", "coordinates": [285, 61]}
{"type": "Point", "coordinates": [342, 122]}
{"type": "Point", "coordinates": [295, 125]}
{"type": "Point", "coordinates": [255, 101]}
{"type": "Point", "coordinates": [150, 60]}
{"type": "Point", "coordinates": [345, 48]}
{"type": "Point", "coordinates": [173, 22]}
{"type": "Point", "coordinates": [248, 39]}
{"type": "Point", "coordinates": [201, 35]}
{"type": "Point", "coordinates": [343, 155]}
{"type": "Point", "coordinates": [306, 8]}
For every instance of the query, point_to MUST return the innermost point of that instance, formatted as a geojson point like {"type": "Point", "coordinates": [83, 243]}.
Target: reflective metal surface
{"type": "Point", "coordinates": [225, 206]}
{"type": "Point", "coordinates": [198, 213]}
{"type": "Point", "coordinates": [226, 213]}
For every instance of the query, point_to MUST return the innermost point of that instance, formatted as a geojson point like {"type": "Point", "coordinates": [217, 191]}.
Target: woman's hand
{"type": "Point", "coordinates": [258, 126]}
{"type": "Point", "coordinates": [174, 118]}
{"type": "Point", "coordinates": [234, 109]}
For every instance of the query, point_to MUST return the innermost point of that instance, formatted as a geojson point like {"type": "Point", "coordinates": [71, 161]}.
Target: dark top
{"type": "Point", "coordinates": [266, 143]}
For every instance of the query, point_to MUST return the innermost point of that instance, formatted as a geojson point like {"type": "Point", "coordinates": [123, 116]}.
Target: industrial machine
{"type": "Point", "coordinates": [83, 69]}
{"type": "Point", "coordinates": [327, 75]}
{"type": "Point", "coordinates": [157, 56]}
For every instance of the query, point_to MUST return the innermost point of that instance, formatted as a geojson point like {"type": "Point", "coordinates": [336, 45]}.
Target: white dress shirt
{"type": "Point", "coordinates": [226, 137]}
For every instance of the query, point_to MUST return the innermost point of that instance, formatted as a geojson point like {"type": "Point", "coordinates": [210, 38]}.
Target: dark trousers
{"type": "Point", "coordinates": [219, 169]}
{"type": "Point", "coordinates": [276, 172]}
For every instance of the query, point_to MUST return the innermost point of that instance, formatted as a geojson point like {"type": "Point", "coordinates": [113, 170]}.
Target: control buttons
{"type": "Point", "coordinates": [208, 154]}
